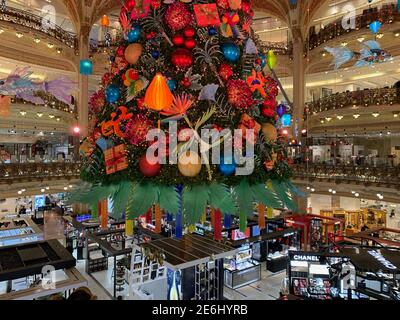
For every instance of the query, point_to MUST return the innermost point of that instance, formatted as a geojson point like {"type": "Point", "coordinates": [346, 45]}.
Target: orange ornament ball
{"type": "Point", "coordinates": [133, 52]}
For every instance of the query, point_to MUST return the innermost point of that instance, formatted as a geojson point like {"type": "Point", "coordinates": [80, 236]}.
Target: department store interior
{"type": "Point", "coordinates": [88, 89]}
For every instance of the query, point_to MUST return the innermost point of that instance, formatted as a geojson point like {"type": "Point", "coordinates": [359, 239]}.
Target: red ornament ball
{"type": "Point", "coordinates": [177, 16]}
{"type": "Point", "coordinates": [190, 43]}
{"type": "Point", "coordinates": [269, 103]}
{"type": "Point", "coordinates": [267, 112]}
{"type": "Point", "coordinates": [129, 4]}
{"type": "Point", "coordinates": [239, 94]}
{"type": "Point", "coordinates": [182, 58]}
{"type": "Point", "coordinates": [225, 71]}
{"type": "Point", "coordinates": [186, 82]}
{"type": "Point", "coordinates": [178, 40]}
{"type": "Point", "coordinates": [148, 169]}
{"type": "Point", "coordinates": [189, 32]}
{"type": "Point", "coordinates": [150, 35]}
{"type": "Point", "coordinates": [246, 7]}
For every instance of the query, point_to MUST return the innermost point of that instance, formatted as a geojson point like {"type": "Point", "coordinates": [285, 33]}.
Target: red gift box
{"type": "Point", "coordinates": [115, 159]}
{"type": "Point", "coordinates": [207, 15]}
{"type": "Point", "coordinates": [247, 122]}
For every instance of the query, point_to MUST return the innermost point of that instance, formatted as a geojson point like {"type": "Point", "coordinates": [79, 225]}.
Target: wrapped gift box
{"type": "Point", "coordinates": [115, 159]}
{"type": "Point", "coordinates": [247, 122]}
{"type": "Point", "coordinates": [207, 15]}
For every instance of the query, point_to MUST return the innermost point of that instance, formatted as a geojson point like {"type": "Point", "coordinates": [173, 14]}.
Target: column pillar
{"type": "Point", "coordinates": [299, 85]}
{"type": "Point", "coordinates": [83, 80]}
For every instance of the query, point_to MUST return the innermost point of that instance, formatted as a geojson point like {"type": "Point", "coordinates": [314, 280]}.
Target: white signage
{"type": "Point", "coordinates": [382, 259]}
{"type": "Point", "coordinates": [303, 257]}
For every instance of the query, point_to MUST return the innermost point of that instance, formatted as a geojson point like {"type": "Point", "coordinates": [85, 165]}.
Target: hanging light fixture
{"type": "Point", "coordinates": [39, 114]}
{"type": "Point", "coordinates": [356, 115]}
{"type": "Point", "coordinates": [19, 35]}
{"type": "Point", "coordinates": [36, 40]}
{"type": "Point", "coordinates": [376, 114]}
{"type": "Point", "coordinates": [339, 117]}
{"type": "Point", "coordinates": [23, 113]}
{"type": "Point", "coordinates": [50, 45]}
{"type": "Point", "coordinates": [1, 31]}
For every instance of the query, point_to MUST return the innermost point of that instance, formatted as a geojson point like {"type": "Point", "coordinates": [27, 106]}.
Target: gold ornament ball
{"type": "Point", "coordinates": [133, 52]}
{"type": "Point", "coordinates": [269, 131]}
{"type": "Point", "coordinates": [189, 164]}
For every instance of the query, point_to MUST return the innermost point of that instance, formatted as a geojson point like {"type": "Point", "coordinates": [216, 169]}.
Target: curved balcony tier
{"type": "Point", "coordinates": [388, 14]}
{"type": "Point", "coordinates": [28, 172]}
{"type": "Point", "coordinates": [350, 174]}
{"type": "Point", "coordinates": [13, 17]}
{"type": "Point", "coordinates": [364, 98]}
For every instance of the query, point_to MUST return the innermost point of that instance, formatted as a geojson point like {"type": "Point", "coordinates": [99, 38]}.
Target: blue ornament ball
{"type": "Point", "coordinates": [212, 31]}
{"type": "Point", "coordinates": [134, 34]}
{"type": "Point", "coordinates": [171, 84]}
{"type": "Point", "coordinates": [155, 54]}
{"type": "Point", "coordinates": [263, 59]}
{"type": "Point", "coordinates": [231, 52]}
{"type": "Point", "coordinates": [112, 93]}
{"type": "Point", "coordinates": [227, 166]}
{"type": "Point", "coordinates": [281, 110]}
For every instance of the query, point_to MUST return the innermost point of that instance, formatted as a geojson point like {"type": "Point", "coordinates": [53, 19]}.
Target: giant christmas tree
{"type": "Point", "coordinates": [196, 65]}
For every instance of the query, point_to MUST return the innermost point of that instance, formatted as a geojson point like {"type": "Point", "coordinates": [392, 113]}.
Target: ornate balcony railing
{"type": "Point", "coordinates": [387, 14]}
{"type": "Point", "coordinates": [51, 102]}
{"type": "Point", "coordinates": [21, 172]}
{"type": "Point", "coordinates": [367, 175]}
{"type": "Point", "coordinates": [32, 21]}
{"type": "Point", "coordinates": [365, 98]}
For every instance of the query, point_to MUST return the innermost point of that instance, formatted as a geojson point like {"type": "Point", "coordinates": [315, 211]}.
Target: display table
{"type": "Point", "coordinates": [277, 264]}
{"type": "Point", "coordinates": [250, 273]}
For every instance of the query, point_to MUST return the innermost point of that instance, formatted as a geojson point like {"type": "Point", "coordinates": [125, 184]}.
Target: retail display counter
{"type": "Point", "coordinates": [277, 262]}
{"type": "Point", "coordinates": [241, 270]}
{"type": "Point", "coordinates": [19, 231]}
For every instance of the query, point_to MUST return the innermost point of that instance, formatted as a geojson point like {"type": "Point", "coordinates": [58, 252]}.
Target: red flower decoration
{"type": "Point", "coordinates": [137, 128]}
{"type": "Point", "coordinates": [239, 94]}
{"type": "Point", "coordinates": [225, 71]}
{"type": "Point", "coordinates": [96, 102]}
{"type": "Point", "coordinates": [106, 79]}
{"type": "Point", "coordinates": [177, 16]}
{"type": "Point", "coordinates": [271, 87]}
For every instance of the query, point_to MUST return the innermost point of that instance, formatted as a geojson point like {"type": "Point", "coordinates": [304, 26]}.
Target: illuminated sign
{"type": "Point", "coordinates": [382, 259]}
{"type": "Point", "coordinates": [304, 257]}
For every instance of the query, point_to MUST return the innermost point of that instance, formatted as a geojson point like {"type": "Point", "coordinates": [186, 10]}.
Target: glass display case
{"type": "Point", "coordinates": [241, 269]}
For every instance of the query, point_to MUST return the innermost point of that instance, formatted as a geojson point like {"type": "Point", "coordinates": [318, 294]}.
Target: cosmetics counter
{"type": "Point", "coordinates": [19, 231]}
{"type": "Point", "coordinates": [241, 269]}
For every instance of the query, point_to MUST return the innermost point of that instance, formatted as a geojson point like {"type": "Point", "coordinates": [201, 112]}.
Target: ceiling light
{"type": "Point", "coordinates": [328, 119]}
{"type": "Point", "coordinates": [51, 116]}
{"type": "Point", "coordinates": [356, 115]}
{"type": "Point", "coordinates": [42, 190]}
{"type": "Point", "coordinates": [322, 121]}
{"type": "Point", "coordinates": [334, 191]}
{"type": "Point", "coordinates": [59, 50]}
{"type": "Point", "coordinates": [379, 35]}
{"type": "Point", "coordinates": [376, 114]}
{"type": "Point", "coordinates": [360, 39]}
{"type": "Point", "coordinates": [58, 119]}
{"type": "Point", "coordinates": [389, 133]}
{"type": "Point", "coordinates": [19, 35]}
{"type": "Point", "coordinates": [357, 194]}
{"type": "Point", "coordinates": [343, 44]}
{"type": "Point", "coordinates": [339, 117]}
{"type": "Point", "coordinates": [47, 188]}
{"type": "Point", "coordinates": [23, 190]}
{"type": "Point", "coordinates": [353, 192]}
{"type": "Point", "coordinates": [36, 40]}
{"type": "Point", "coordinates": [323, 54]}
{"type": "Point", "coordinates": [308, 188]}
{"type": "Point", "coordinates": [312, 189]}
{"type": "Point", "coordinates": [1, 31]}
{"type": "Point", "coordinates": [19, 192]}
{"type": "Point", "coordinates": [23, 113]}
{"type": "Point", "coordinates": [396, 114]}
{"type": "Point", "coordinates": [70, 186]}
{"type": "Point", "coordinates": [39, 114]}
{"type": "Point", "coordinates": [330, 190]}
{"type": "Point", "coordinates": [65, 188]}
{"type": "Point", "coordinates": [50, 45]}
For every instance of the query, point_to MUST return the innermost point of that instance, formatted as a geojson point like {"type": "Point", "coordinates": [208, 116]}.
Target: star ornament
{"type": "Point", "coordinates": [256, 82]}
